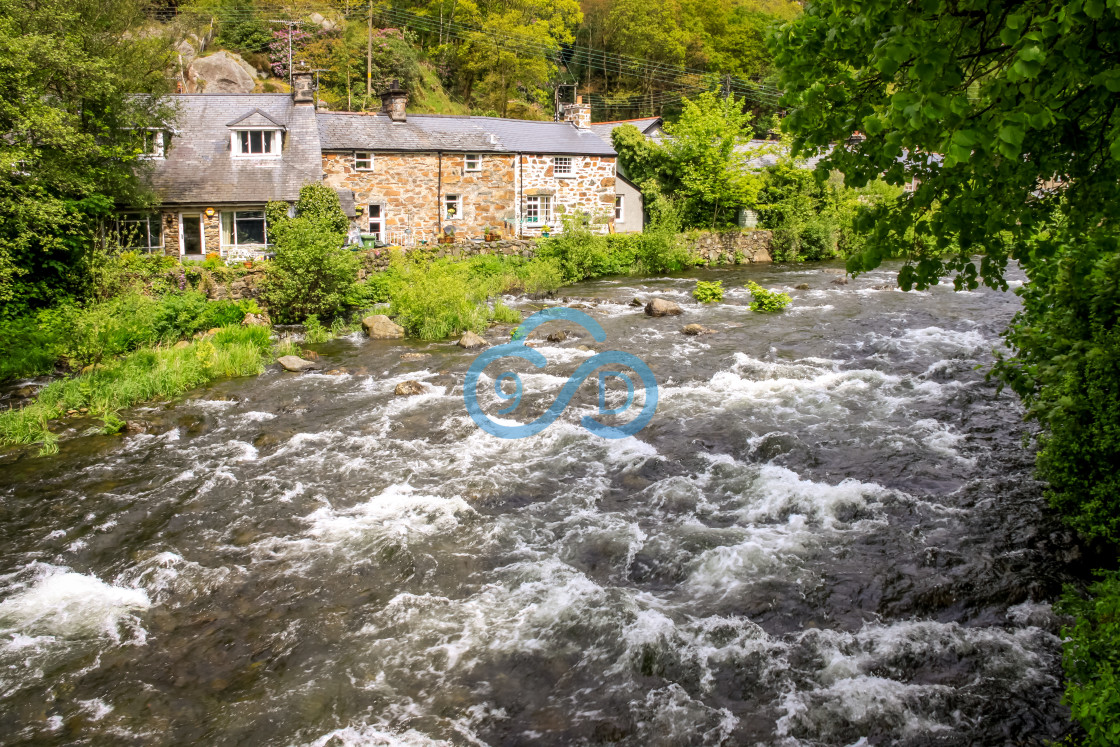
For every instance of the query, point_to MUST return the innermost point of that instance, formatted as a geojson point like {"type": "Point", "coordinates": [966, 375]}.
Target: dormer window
{"type": "Point", "coordinates": [257, 143]}
{"type": "Point", "coordinates": [151, 143]}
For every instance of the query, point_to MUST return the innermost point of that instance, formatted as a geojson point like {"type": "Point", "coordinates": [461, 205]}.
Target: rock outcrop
{"type": "Point", "coordinates": [221, 72]}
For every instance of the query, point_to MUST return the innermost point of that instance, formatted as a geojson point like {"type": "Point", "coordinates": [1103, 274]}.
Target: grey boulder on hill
{"type": "Point", "coordinates": [221, 72]}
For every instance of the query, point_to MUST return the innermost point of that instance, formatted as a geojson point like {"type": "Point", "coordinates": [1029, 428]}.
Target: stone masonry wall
{"type": "Point", "coordinates": [211, 225]}
{"type": "Point", "coordinates": [411, 189]}
{"type": "Point", "coordinates": [589, 189]}
{"type": "Point", "coordinates": [712, 247]}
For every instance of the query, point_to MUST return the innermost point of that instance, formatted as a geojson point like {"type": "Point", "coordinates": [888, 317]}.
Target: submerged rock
{"type": "Point", "coordinates": [408, 388]}
{"type": "Point", "coordinates": [801, 287]}
{"type": "Point", "coordinates": [697, 329]}
{"type": "Point", "coordinates": [661, 307]}
{"type": "Point", "coordinates": [558, 336]}
{"type": "Point", "coordinates": [381, 327]}
{"type": "Point", "coordinates": [294, 363]}
{"type": "Point", "coordinates": [470, 341]}
{"type": "Point", "coordinates": [636, 302]}
{"type": "Point", "coordinates": [415, 356]}
{"type": "Point", "coordinates": [840, 281]}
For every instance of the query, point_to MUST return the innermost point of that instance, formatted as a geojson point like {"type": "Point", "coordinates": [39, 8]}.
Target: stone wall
{"type": "Point", "coordinates": [411, 189]}
{"type": "Point", "coordinates": [589, 189]}
{"type": "Point", "coordinates": [211, 225]}
{"type": "Point", "coordinates": [714, 248]}
{"type": "Point", "coordinates": [731, 247]}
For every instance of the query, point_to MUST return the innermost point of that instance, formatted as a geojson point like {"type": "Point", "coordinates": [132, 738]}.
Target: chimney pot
{"type": "Point", "coordinates": [394, 101]}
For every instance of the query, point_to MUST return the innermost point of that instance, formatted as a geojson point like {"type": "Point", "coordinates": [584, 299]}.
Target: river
{"type": "Point", "coordinates": [827, 535]}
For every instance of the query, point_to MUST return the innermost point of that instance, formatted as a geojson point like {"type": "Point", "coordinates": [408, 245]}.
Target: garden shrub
{"type": "Point", "coordinates": [1091, 659]}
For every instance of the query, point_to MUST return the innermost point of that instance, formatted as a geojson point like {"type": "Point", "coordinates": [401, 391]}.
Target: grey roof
{"type": "Point", "coordinates": [199, 169]}
{"type": "Point", "coordinates": [604, 129]}
{"type": "Point", "coordinates": [255, 118]}
{"type": "Point", "coordinates": [441, 132]}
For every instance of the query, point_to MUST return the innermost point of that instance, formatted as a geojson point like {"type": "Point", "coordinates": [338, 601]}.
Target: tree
{"type": "Point", "coordinates": [312, 272]}
{"type": "Point", "coordinates": [701, 161]}
{"type": "Point", "coordinates": [72, 124]}
{"type": "Point", "coordinates": [1022, 102]}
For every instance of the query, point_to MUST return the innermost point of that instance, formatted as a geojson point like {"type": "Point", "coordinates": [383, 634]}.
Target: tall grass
{"type": "Point", "coordinates": [150, 374]}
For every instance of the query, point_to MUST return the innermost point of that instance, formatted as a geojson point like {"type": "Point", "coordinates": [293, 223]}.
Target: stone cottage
{"type": "Point", "coordinates": [222, 158]}
{"type": "Point", "coordinates": [416, 177]}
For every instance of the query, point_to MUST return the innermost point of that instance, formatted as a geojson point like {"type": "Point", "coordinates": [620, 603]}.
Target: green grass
{"type": "Point", "coordinates": [145, 375]}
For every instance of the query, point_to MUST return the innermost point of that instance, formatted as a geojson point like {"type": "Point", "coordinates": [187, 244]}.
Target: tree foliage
{"type": "Point", "coordinates": [70, 72]}
{"type": "Point", "coordinates": [1021, 100]}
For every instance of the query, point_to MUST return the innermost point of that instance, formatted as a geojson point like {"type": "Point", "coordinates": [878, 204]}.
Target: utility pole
{"type": "Point", "coordinates": [726, 86]}
{"type": "Point", "coordinates": [291, 26]}
{"type": "Point", "coordinates": [369, 55]}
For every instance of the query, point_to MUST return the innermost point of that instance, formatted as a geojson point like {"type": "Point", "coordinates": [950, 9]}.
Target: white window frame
{"type": "Point", "coordinates": [276, 142]}
{"type": "Point", "coordinates": [380, 232]}
{"type": "Point", "coordinates": [538, 210]}
{"type": "Point", "coordinates": [619, 208]}
{"type": "Point", "coordinates": [569, 163]}
{"type": "Point", "coordinates": [149, 219]}
{"type": "Point", "coordinates": [156, 147]}
{"type": "Point", "coordinates": [476, 158]}
{"type": "Point", "coordinates": [233, 243]}
{"type": "Point", "coordinates": [363, 156]}
{"type": "Point", "coordinates": [448, 200]}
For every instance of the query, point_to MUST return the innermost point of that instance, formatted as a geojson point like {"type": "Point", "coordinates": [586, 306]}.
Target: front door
{"type": "Point", "coordinates": [191, 237]}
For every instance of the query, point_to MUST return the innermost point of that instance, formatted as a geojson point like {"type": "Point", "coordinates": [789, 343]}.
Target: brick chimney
{"type": "Point", "coordinates": [578, 113]}
{"type": "Point", "coordinates": [302, 90]}
{"type": "Point", "coordinates": [393, 102]}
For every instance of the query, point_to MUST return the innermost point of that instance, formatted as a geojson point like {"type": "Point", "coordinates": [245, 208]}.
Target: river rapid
{"type": "Point", "coordinates": [827, 535]}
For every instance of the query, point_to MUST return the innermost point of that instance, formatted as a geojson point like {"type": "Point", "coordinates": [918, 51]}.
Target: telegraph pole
{"type": "Point", "coordinates": [369, 55]}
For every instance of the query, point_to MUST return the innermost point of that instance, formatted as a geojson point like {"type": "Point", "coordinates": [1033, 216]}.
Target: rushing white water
{"type": "Point", "coordinates": [826, 536]}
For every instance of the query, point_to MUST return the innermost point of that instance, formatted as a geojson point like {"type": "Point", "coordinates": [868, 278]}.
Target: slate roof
{"type": "Point", "coordinates": [604, 129]}
{"type": "Point", "coordinates": [450, 133]}
{"type": "Point", "coordinates": [255, 118]}
{"type": "Point", "coordinates": [199, 170]}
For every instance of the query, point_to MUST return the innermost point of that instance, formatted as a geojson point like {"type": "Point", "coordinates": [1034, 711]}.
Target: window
{"type": "Point", "coordinates": [151, 143]}
{"type": "Point", "coordinates": [141, 232]}
{"type": "Point", "coordinates": [472, 162]}
{"type": "Point", "coordinates": [562, 165]}
{"type": "Point", "coordinates": [249, 143]}
{"type": "Point", "coordinates": [618, 209]}
{"type": "Point", "coordinates": [538, 209]}
{"type": "Point", "coordinates": [452, 207]}
{"type": "Point", "coordinates": [363, 161]}
{"type": "Point", "coordinates": [243, 227]}
{"type": "Point", "coordinates": [375, 224]}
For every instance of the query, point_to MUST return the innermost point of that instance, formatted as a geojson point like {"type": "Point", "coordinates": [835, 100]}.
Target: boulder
{"type": "Point", "coordinates": [636, 302]}
{"type": "Point", "coordinates": [840, 281]}
{"type": "Point", "coordinates": [408, 388]}
{"type": "Point", "coordinates": [415, 356]}
{"type": "Point", "coordinates": [259, 320]}
{"type": "Point", "coordinates": [801, 287]}
{"type": "Point", "coordinates": [696, 329]}
{"type": "Point", "coordinates": [222, 72]}
{"type": "Point", "coordinates": [661, 307]}
{"type": "Point", "coordinates": [213, 330]}
{"type": "Point", "coordinates": [134, 427]}
{"type": "Point", "coordinates": [381, 327]}
{"type": "Point", "coordinates": [559, 335]}
{"type": "Point", "coordinates": [181, 344]}
{"type": "Point", "coordinates": [186, 51]}
{"type": "Point", "coordinates": [294, 363]}
{"type": "Point", "coordinates": [470, 341]}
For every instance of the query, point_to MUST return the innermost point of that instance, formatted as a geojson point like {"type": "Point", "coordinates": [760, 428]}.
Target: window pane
{"type": "Point", "coordinates": [374, 211]}
{"type": "Point", "coordinates": [250, 230]}
{"type": "Point", "coordinates": [227, 228]}
{"type": "Point", "coordinates": [255, 141]}
{"type": "Point", "coordinates": [244, 141]}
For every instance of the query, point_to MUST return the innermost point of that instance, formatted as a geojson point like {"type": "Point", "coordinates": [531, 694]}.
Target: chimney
{"type": "Point", "coordinates": [578, 113]}
{"type": "Point", "coordinates": [302, 90]}
{"type": "Point", "coordinates": [393, 102]}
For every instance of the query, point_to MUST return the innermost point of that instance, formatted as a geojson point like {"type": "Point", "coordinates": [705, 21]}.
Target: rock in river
{"type": "Point", "coordinates": [408, 388]}
{"type": "Point", "coordinates": [696, 329]}
{"type": "Point", "coordinates": [381, 327]}
{"type": "Point", "coordinates": [470, 341]}
{"type": "Point", "coordinates": [294, 363]}
{"type": "Point", "coordinates": [661, 307]}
